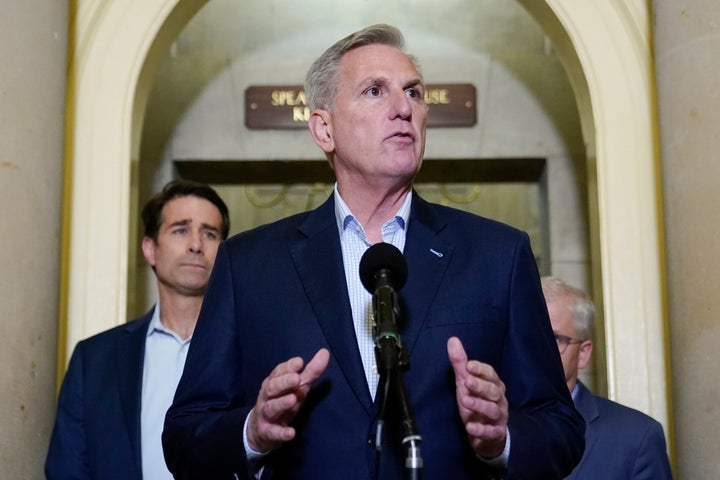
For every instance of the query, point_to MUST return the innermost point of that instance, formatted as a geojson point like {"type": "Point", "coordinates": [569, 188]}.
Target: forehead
{"type": "Point", "coordinates": [377, 60]}
{"type": "Point", "coordinates": [190, 208]}
{"type": "Point", "coordinates": [560, 317]}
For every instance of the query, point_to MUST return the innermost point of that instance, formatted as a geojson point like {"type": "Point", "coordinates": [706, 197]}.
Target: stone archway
{"type": "Point", "coordinates": [114, 52]}
{"type": "Point", "coordinates": [607, 53]}
{"type": "Point", "coordinates": [606, 50]}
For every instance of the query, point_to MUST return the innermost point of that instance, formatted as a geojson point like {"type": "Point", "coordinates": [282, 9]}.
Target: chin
{"type": "Point", "coordinates": [194, 291]}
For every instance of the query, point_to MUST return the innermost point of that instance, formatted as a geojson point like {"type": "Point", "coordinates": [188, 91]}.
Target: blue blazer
{"type": "Point", "coordinates": [279, 291]}
{"type": "Point", "coordinates": [97, 429]}
{"type": "Point", "coordinates": [620, 443]}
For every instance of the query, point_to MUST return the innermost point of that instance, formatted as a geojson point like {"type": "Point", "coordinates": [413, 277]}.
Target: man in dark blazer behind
{"type": "Point", "coordinates": [289, 293]}
{"type": "Point", "coordinates": [120, 382]}
{"type": "Point", "coordinates": [620, 443]}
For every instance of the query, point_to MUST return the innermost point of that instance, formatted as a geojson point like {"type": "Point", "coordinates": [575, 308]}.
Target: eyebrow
{"type": "Point", "coordinates": [414, 83]}
{"type": "Point", "coordinates": [206, 226]}
{"type": "Point", "coordinates": [382, 80]}
{"type": "Point", "coordinates": [180, 223]}
{"type": "Point", "coordinates": [373, 81]}
{"type": "Point", "coordinates": [186, 221]}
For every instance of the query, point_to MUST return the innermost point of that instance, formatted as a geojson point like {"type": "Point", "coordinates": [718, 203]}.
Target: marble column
{"type": "Point", "coordinates": [687, 45]}
{"type": "Point", "coordinates": [33, 62]}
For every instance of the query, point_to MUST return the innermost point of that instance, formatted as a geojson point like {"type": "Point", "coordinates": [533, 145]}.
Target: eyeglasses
{"type": "Point", "coordinates": [563, 341]}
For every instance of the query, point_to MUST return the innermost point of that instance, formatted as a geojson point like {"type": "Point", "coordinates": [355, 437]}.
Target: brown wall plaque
{"type": "Point", "coordinates": [285, 106]}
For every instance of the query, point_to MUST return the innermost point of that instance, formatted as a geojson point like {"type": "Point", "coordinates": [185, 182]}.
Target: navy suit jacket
{"type": "Point", "coordinates": [279, 291]}
{"type": "Point", "coordinates": [97, 428]}
{"type": "Point", "coordinates": [620, 443]}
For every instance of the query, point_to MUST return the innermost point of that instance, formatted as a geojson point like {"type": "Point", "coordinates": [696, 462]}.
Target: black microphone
{"type": "Point", "coordinates": [383, 272]}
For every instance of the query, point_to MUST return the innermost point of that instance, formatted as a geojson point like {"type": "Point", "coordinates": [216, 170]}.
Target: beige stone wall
{"type": "Point", "coordinates": [33, 39]}
{"type": "Point", "coordinates": [687, 43]}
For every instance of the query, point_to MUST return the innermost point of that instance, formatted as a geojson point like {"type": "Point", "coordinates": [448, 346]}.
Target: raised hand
{"type": "Point", "coordinates": [281, 395]}
{"type": "Point", "coordinates": [481, 401]}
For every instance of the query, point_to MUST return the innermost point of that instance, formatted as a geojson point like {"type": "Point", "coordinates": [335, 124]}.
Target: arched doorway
{"type": "Point", "coordinates": [606, 50]}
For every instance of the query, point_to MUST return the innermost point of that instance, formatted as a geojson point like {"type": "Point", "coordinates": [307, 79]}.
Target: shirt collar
{"type": "Point", "coordinates": [343, 215]}
{"type": "Point", "coordinates": [156, 326]}
{"type": "Point", "coordinates": [155, 323]}
{"type": "Point", "coordinates": [575, 390]}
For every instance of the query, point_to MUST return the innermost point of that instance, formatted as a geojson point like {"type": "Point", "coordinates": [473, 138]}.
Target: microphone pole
{"type": "Point", "coordinates": [381, 269]}
{"type": "Point", "coordinates": [411, 437]}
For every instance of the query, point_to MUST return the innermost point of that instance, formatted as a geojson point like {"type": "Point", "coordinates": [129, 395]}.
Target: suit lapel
{"type": "Point", "coordinates": [324, 281]}
{"type": "Point", "coordinates": [130, 356]}
{"type": "Point", "coordinates": [428, 256]}
{"type": "Point", "coordinates": [586, 404]}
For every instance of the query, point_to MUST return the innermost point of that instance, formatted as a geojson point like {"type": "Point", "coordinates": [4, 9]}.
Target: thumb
{"type": "Point", "coordinates": [315, 367]}
{"type": "Point", "coordinates": [458, 357]}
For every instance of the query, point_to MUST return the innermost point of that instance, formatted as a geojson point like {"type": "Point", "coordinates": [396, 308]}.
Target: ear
{"type": "Point", "coordinates": [585, 352]}
{"type": "Point", "coordinates": [148, 249]}
{"type": "Point", "coordinates": [320, 124]}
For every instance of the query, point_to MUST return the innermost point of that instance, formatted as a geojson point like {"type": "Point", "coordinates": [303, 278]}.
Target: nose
{"type": "Point", "coordinates": [401, 106]}
{"type": "Point", "coordinates": [196, 242]}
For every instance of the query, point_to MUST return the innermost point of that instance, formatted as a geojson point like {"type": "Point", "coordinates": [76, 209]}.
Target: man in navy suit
{"type": "Point", "coordinates": [120, 382]}
{"type": "Point", "coordinates": [620, 443]}
{"type": "Point", "coordinates": [281, 378]}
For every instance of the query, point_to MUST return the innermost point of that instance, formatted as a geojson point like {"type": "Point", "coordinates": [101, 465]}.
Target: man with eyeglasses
{"type": "Point", "coordinates": [620, 442]}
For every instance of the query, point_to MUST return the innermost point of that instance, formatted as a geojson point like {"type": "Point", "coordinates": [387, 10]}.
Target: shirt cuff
{"type": "Point", "coordinates": [250, 453]}
{"type": "Point", "coordinates": [501, 461]}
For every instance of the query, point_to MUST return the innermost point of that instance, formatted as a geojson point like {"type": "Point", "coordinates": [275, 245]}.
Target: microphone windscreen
{"type": "Point", "coordinates": [383, 256]}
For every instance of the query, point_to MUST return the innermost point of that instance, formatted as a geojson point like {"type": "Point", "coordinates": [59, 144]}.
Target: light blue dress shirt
{"type": "Point", "coordinates": [354, 243]}
{"type": "Point", "coordinates": [165, 354]}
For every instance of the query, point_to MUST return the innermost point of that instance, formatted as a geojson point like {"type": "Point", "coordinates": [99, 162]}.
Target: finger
{"type": "Point", "coordinates": [485, 430]}
{"type": "Point", "coordinates": [273, 433]}
{"type": "Point", "coordinates": [478, 378]}
{"type": "Point", "coordinates": [315, 367]}
{"type": "Point", "coordinates": [284, 378]}
{"type": "Point", "coordinates": [294, 365]}
{"type": "Point", "coordinates": [458, 358]}
{"type": "Point", "coordinates": [483, 409]}
{"type": "Point", "coordinates": [263, 435]}
{"type": "Point", "coordinates": [484, 382]}
{"type": "Point", "coordinates": [280, 409]}
{"type": "Point", "coordinates": [277, 386]}
{"type": "Point", "coordinates": [482, 370]}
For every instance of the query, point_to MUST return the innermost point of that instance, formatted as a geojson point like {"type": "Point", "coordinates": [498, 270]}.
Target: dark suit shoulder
{"type": "Point", "coordinates": [462, 225]}
{"type": "Point", "coordinates": [427, 210]}
{"type": "Point", "coordinates": [277, 234]}
{"type": "Point", "coordinates": [624, 418]}
{"type": "Point", "coordinates": [622, 421]}
{"type": "Point", "coordinates": [621, 442]}
{"type": "Point", "coordinates": [104, 340]}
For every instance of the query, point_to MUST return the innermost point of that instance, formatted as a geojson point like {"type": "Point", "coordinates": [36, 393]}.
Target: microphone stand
{"type": "Point", "coordinates": [391, 356]}
{"type": "Point", "coordinates": [382, 268]}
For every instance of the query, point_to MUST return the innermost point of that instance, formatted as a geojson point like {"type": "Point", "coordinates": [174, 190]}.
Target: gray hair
{"type": "Point", "coordinates": [577, 302]}
{"type": "Point", "coordinates": [320, 85]}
